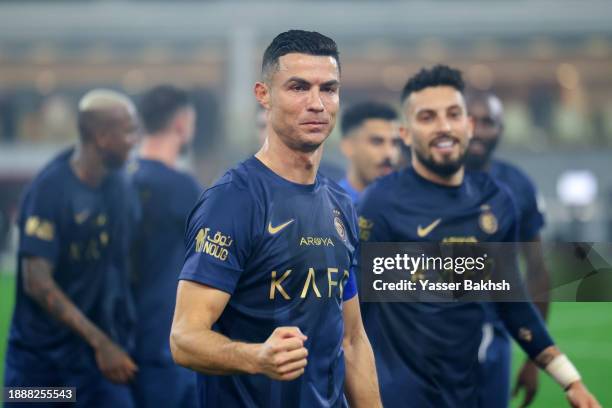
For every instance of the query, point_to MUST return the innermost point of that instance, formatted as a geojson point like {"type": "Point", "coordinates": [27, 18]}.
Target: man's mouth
{"type": "Point", "coordinates": [444, 144]}
{"type": "Point", "coordinates": [315, 123]}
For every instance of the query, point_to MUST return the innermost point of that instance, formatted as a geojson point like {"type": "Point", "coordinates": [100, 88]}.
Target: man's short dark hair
{"type": "Point", "coordinates": [439, 75]}
{"type": "Point", "coordinates": [355, 115]}
{"type": "Point", "coordinates": [297, 41]}
{"type": "Point", "coordinates": [159, 105]}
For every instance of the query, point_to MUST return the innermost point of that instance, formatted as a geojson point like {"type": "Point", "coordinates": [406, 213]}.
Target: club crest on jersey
{"type": "Point", "coordinates": [487, 220]}
{"type": "Point", "coordinates": [340, 229]}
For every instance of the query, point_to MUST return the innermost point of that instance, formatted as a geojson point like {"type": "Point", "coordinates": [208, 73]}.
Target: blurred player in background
{"type": "Point", "coordinates": [269, 250]}
{"type": "Point", "coordinates": [486, 111]}
{"type": "Point", "coordinates": [73, 313]}
{"type": "Point", "coordinates": [371, 143]}
{"type": "Point", "coordinates": [167, 195]}
{"type": "Point", "coordinates": [427, 353]}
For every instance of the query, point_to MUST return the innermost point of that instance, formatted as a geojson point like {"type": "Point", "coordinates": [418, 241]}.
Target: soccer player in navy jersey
{"type": "Point", "coordinates": [427, 353]}
{"type": "Point", "coordinates": [486, 111]}
{"type": "Point", "coordinates": [167, 195]}
{"type": "Point", "coordinates": [73, 314]}
{"type": "Point", "coordinates": [370, 142]}
{"type": "Point", "coordinates": [267, 308]}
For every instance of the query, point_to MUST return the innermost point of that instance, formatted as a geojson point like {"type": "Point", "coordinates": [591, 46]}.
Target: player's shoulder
{"type": "Point", "coordinates": [382, 189]}
{"type": "Point", "coordinates": [142, 170]}
{"type": "Point", "coordinates": [511, 174]}
{"type": "Point", "coordinates": [232, 189]}
{"type": "Point", "coordinates": [53, 175]}
{"type": "Point", "coordinates": [336, 190]}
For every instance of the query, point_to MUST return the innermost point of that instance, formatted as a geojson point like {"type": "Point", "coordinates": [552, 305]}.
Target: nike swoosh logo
{"type": "Point", "coordinates": [423, 232]}
{"type": "Point", "coordinates": [274, 230]}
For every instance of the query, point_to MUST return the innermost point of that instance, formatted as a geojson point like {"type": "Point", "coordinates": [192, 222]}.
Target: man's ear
{"type": "Point", "coordinates": [262, 94]}
{"type": "Point", "coordinates": [471, 124]}
{"type": "Point", "coordinates": [405, 134]}
{"type": "Point", "coordinates": [346, 147]}
{"type": "Point", "coordinates": [179, 123]}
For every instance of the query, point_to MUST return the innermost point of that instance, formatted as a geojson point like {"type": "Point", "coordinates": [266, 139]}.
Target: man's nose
{"type": "Point", "coordinates": [315, 103]}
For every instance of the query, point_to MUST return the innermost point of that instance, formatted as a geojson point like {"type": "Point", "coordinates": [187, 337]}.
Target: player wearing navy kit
{"type": "Point", "coordinates": [370, 142]}
{"type": "Point", "coordinates": [167, 195]}
{"type": "Point", "coordinates": [267, 308]}
{"type": "Point", "coordinates": [426, 353]}
{"type": "Point", "coordinates": [494, 356]}
{"type": "Point", "coordinates": [73, 314]}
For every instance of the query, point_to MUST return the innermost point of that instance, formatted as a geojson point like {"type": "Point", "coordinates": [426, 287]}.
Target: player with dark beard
{"type": "Point", "coordinates": [427, 353]}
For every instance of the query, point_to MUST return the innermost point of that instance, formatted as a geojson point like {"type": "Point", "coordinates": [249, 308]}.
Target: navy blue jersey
{"type": "Point", "coordinates": [531, 219]}
{"type": "Point", "coordinates": [354, 194]}
{"type": "Point", "coordinates": [84, 233]}
{"type": "Point", "coordinates": [426, 353]}
{"type": "Point", "coordinates": [166, 197]}
{"type": "Point", "coordinates": [284, 252]}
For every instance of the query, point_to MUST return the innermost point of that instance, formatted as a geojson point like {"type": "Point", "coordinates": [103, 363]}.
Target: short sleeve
{"type": "Point", "coordinates": [38, 223]}
{"type": "Point", "coordinates": [350, 287]}
{"type": "Point", "coordinates": [219, 238]}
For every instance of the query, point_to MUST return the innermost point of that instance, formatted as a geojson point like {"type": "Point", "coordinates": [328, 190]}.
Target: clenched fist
{"type": "Point", "coordinates": [283, 355]}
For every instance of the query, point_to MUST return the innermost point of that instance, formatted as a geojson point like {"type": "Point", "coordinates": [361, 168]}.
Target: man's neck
{"type": "Point", "coordinates": [160, 147]}
{"type": "Point", "coordinates": [453, 180]}
{"type": "Point", "coordinates": [354, 180]}
{"type": "Point", "coordinates": [87, 165]}
{"type": "Point", "coordinates": [295, 166]}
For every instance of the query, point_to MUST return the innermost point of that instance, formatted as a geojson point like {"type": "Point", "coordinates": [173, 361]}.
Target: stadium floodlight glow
{"type": "Point", "coordinates": [577, 188]}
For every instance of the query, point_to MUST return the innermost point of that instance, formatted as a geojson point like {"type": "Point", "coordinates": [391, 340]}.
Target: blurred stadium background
{"type": "Point", "coordinates": [550, 61]}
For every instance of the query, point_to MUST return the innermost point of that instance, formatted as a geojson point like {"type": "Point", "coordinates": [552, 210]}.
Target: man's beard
{"type": "Point", "coordinates": [112, 161]}
{"type": "Point", "coordinates": [480, 161]}
{"type": "Point", "coordinates": [441, 169]}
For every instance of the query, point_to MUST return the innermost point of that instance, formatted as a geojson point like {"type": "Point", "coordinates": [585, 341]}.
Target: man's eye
{"type": "Point", "coordinates": [298, 88]}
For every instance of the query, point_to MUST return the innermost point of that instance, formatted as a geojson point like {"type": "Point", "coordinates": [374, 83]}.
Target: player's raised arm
{"type": "Point", "coordinates": [39, 284]}
{"type": "Point", "coordinates": [361, 380]}
{"type": "Point", "coordinates": [195, 345]}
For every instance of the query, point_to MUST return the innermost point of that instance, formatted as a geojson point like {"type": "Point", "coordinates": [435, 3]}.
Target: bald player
{"type": "Point", "coordinates": [486, 110]}
{"type": "Point", "coordinates": [72, 317]}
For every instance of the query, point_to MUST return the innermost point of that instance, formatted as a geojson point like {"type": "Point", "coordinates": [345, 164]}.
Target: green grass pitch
{"type": "Point", "coordinates": [582, 330]}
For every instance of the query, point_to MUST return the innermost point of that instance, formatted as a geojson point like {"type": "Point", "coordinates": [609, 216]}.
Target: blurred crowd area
{"type": "Point", "coordinates": [550, 63]}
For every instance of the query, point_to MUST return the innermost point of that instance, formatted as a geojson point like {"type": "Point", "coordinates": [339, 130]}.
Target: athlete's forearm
{"type": "Point", "coordinates": [361, 382]}
{"type": "Point", "coordinates": [212, 353]}
{"type": "Point", "coordinates": [39, 285]}
{"type": "Point", "coordinates": [538, 277]}
{"type": "Point", "coordinates": [526, 326]}
{"type": "Point", "coordinates": [546, 356]}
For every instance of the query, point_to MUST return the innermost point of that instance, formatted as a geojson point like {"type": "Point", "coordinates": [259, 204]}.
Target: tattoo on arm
{"type": "Point", "coordinates": [39, 285]}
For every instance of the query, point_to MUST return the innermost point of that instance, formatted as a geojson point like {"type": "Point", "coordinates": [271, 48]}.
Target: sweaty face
{"type": "Point", "coordinates": [120, 137]}
{"type": "Point", "coordinates": [304, 100]}
{"type": "Point", "coordinates": [374, 149]}
{"type": "Point", "coordinates": [439, 129]}
{"type": "Point", "coordinates": [487, 130]}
